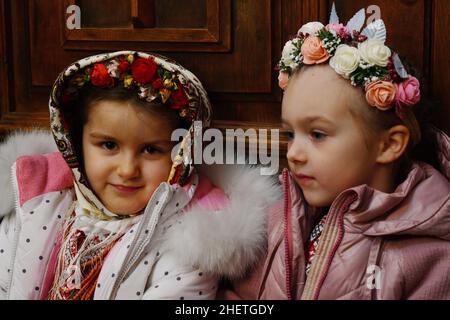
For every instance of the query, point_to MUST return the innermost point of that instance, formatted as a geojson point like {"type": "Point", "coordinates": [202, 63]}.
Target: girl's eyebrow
{"type": "Point", "coordinates": [102, 136]}
{"type": "Point", "coordinates": [310, 119]}
{"type": "Point", "coordinates": [98, 135]}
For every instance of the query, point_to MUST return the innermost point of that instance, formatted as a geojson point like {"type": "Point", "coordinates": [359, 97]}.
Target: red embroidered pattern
{"type": "Point", "coordinates": [83, 288]}
{"type": "Point", "coordinates": [313, 243]}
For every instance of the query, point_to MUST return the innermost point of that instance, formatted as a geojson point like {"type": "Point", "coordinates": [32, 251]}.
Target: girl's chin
{"type": "Point", "coordinates": [317, 202]}
{"type": "Point", "coordinates": [124, 211]}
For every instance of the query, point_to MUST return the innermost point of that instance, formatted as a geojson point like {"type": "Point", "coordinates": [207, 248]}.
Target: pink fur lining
{"type": "Point", "coordinates": [209, 196]}
{"type": "Point", "coordinates": [41, 174]}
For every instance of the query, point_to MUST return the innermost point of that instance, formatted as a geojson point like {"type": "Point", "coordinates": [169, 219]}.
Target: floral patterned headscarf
{"type": "Point", "coordinates": [156, 78]}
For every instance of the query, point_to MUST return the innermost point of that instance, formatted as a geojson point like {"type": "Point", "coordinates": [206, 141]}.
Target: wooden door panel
{"type": "Point", "coordinates": [405, 24]}
{"type": "Point", "coordinates": [244, 74]}
{"type": "Point", "coordinates": [440, 62]}
{"type": "Point", "coordinates": [236, 66]}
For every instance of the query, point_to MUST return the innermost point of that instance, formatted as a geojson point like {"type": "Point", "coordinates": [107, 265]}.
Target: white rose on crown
{"type": "Point", "coordinates": [345, 60]}
{"type": "Point", "coordinates": [311, 28]}
{"type": "Point", "coordinates": [287, 56]}
{"type": "Point", "coordinates": [374, 52]}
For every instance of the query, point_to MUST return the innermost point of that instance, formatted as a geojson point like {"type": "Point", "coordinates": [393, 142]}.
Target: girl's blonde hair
{"type": "Point", "coordinates": [422, 145]}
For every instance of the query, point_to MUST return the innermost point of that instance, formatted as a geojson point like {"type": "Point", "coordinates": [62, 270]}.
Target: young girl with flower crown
{"type": "Point", "coordinates": [110, 215]}
{"type": "Point", "coordinates": [362, 217]}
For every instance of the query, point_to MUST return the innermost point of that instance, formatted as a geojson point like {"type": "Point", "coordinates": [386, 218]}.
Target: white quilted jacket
{"type": "Point", "coordinates": [177, 249]}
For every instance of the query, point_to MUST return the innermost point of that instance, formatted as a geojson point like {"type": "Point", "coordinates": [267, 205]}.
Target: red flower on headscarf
{"type": "Point", "coordinates": [157, 84]}
{"type": "Point", "coordinates": [123, 66]}
{"type": "Point", "coordinates": [179, 99]}
{"type": "Point", "coordinates": [143, 70]}
{"type": "Point", "coordinates": [100, 76]}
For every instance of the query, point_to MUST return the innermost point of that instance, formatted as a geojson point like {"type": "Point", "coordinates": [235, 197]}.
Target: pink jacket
{"type": "Point", "coordinates": [374, 245]}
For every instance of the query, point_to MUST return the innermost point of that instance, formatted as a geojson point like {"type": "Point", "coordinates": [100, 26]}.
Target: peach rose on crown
{"type": "Point", "coordinates": [361, 57]}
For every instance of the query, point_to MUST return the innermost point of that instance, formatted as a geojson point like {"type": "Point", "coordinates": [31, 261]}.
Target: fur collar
{"type": "Point", "coordinates": [229, 242]}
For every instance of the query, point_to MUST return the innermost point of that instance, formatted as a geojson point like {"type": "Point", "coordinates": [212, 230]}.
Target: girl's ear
{"type": "Point", "coordinates": [393, 144]}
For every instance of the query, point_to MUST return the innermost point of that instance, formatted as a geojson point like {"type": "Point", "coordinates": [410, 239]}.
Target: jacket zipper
{"type": "Point", "coordinates": [129, 261]}
{"type": "Point", "coordinates": [342, 206]}
{"type": "Point", "coordinates": [17, 227]}
{"type": "Point", "coordinates": [287, 230]}
{"type": "Point", "coordinates": [377, 248]}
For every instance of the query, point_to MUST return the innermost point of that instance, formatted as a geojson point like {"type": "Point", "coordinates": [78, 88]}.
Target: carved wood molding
{"type": "Point", "coordinates": [216, 37]}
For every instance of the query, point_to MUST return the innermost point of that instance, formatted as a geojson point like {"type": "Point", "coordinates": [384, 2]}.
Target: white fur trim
{"type": "Point", "coordinates": [228, 242]}
{"type": "Point", "coordinates": [16, 145]}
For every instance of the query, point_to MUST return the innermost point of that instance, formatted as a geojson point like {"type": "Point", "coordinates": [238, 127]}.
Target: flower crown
{"type": "Point", "coordinates": [361, 57]}
{"type": "Point", "coordinates": [153, 82]}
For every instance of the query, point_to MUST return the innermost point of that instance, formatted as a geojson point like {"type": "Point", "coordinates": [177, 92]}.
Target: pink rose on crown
{"type": "Point", "coordinates": [340, 30]}
{"type": "Point", "coordinates": [408, 92]}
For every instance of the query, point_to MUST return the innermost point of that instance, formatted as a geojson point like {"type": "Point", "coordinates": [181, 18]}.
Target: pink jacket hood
{"type": "Point", "coordinates": [419, 206]}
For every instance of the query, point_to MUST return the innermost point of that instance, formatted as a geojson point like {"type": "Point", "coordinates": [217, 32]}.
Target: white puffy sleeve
{"type": "Point", "coordinates": [171, 282]}
{"type": "Point", "coordinates": [7, 235]}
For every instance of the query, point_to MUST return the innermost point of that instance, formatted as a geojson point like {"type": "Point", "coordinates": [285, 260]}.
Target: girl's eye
{"type": "Point", "coordinates": [151, 150]}
{"type": "Point", "coordinates": [289, 135]}
{"type": "Point", "coordinates": [109, 145]}
{"type": "Point", "coordinates": [317, 135]}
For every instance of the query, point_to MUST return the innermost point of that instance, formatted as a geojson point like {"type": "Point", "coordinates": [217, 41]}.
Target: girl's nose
{"type": "Point", "coordinates": [296, 152]}
{"type": "Point", "coordinates": [128, 167]}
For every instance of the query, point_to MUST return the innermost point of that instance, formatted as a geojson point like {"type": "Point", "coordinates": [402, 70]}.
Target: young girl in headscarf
{"type": "Point", "coordinates": [110, 215]}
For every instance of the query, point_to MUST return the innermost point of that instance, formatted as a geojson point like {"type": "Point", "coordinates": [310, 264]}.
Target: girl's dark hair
{"type": "Point", "coordinates": [76, 112]}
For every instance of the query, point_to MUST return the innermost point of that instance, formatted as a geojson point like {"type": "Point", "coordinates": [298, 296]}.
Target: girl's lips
{"type": "Point", "coordinates": [304, 180]}
{"type": "Point", "coordinates": [125, 189]}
